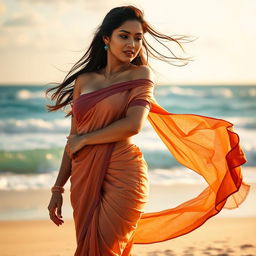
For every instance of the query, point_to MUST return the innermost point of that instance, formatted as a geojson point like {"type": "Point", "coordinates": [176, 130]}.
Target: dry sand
{"type": "Point", "coordinates": [219, 236]}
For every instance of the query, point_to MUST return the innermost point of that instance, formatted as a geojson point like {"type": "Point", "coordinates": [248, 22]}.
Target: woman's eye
{"type": "Point", "coordinates": [124, 37]}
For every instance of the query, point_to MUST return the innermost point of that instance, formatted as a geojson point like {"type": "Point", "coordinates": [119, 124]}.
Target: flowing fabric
{"type": "Point", "coordinates": [110, 185]}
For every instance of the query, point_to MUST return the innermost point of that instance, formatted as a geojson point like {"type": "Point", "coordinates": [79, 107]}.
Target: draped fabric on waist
{"type": "Point", "coordinates": [88, 198]}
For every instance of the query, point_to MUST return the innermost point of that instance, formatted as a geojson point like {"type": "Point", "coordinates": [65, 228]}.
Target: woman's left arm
{"type": "Point", "coordinates": [121, 129]}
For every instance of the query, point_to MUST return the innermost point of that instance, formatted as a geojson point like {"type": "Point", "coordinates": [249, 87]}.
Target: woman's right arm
{"type": "Point", "coordinates": [64, 172]}
{"type": "Point", "coordinates": [65, 167]}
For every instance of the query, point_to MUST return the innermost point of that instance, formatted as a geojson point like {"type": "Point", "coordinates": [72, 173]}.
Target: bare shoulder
{"type": "Point", "coordinates": [84, 78]}
{"type": "Point", "coordinates": [80, 83]}
{"type": "Point", "coordinates": [143, 72]}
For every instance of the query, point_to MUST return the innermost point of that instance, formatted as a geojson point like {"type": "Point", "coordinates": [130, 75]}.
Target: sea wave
{"type": "Point", "coordinates": [62, 125]}
{"type": "Point", "coordinates": [33, 125]}
{"type": "Point", "coordinates": [30, 161]}
{"type": "Point", "coordinates": [163, 177]}
{"type": "Point", "coordinates": [27, 94]}
{"type": "Point", "coordinates": [207, 91]}
{"type": "Point", "coordinates": [44, 160]}
{"type": "Point", "coordinates": [178, 91]}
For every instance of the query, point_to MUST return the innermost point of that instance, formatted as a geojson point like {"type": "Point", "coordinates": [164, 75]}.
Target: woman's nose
{"type": "Point", "coordinates": [131, 42]}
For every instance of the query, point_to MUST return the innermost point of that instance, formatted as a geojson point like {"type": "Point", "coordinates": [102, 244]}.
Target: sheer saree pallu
{"type": "Point", "coordinates": [109, 182]}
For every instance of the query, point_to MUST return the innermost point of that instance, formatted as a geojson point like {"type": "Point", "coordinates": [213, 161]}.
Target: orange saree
{"type": "Point", "coordinates": [110, 185]}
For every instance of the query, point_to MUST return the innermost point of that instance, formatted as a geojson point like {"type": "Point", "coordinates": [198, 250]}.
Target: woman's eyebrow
{"type": "Point", "coordinates": [122, 30]}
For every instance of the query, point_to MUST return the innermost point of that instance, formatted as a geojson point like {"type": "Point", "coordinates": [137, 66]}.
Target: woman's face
{"type": "Point", "coordinates": [126, 41]}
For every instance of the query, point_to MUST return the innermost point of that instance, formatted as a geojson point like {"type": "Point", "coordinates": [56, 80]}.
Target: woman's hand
{"type": "Point", "coordinates": [56, 203]}
{"type": "Point", "coordinates": [74, 143]}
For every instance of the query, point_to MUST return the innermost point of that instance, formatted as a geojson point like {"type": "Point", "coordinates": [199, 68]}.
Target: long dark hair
{"type": "Point", "coordinates": [95, 58]}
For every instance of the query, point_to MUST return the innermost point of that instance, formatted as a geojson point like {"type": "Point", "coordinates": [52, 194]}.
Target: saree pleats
{"type": "Point", "coordinates": [110, 185]}
{"type": "Point", "coordinates": [113, 213]}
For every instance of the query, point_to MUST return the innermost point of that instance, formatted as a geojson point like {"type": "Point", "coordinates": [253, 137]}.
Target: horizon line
{"type": "Point", "coordinates": [162, 84]}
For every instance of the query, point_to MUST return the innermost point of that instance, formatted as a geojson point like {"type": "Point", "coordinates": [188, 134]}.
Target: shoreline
{"type": "Point", "coordinates": [32, 204]}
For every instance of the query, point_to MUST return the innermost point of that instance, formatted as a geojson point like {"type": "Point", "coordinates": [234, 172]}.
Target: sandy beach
{"type": "Point", "coordinates": [219, 236]}
{"type": "Point", "coordinates": [26, 229]}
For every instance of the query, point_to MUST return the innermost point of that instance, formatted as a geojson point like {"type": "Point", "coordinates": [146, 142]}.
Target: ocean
{"type": "Point", "coordinates": [32, 139]}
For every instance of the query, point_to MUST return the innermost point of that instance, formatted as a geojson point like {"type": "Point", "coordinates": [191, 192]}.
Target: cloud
{"type": "Point", "coordinates": [19, 21]}
{"type": "Point", "coordinates": [22, 29]}
{"type": "Point", "coordinates": [92, 5]}
{"type": "Point", "coordinates": [49, 1]}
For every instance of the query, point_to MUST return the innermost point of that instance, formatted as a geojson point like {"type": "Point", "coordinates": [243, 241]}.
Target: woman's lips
{"type": "Point", "coordinates": [128, 53]}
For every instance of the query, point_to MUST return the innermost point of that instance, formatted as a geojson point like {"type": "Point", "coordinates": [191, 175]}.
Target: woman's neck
{"type": "Point", "coordinates": [110, 72]}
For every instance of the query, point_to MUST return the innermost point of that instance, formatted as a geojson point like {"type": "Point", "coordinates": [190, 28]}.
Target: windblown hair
{"type": "Point", "coordinates": [95, 58]}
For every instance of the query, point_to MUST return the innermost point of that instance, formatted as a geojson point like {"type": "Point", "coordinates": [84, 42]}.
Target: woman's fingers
{"type": "Point", "coordinates": [71, 147]}
{"type": "Point", "coordinates": [55, 218]}
{"type": "Point", "coordinates": [72, 144]}
{"type": "Point", "coordinates": [70, 136]}
{"type": "Point", "coordinates": [59, 211]}
{"type": "Point", "coordinates": [68, 151]}
{"type": "Point", "coordinates": [55, 203]}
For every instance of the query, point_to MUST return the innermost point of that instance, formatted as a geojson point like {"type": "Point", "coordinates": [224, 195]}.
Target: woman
{"type": "Point", "coordinates": [111, 98]}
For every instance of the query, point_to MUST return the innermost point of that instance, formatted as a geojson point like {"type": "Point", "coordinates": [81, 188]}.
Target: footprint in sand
{"type": "Point", "coordinates": [154, 253]}
{"type": "Point", "coordinates": [246, 246]}
{"type": "Point", "coordinates": [220, 251]}
{"type": "Point", "coordinates": [169, 253]}
{"type": "Point", "coordinates": [166, 253]}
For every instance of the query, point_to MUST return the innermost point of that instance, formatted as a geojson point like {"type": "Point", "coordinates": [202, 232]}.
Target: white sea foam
{"type": "Point", "coordinates": [180, 91]}
{"type": "Point", "coordinates": [164, 177]}
{"type": "Point", "coordinates": [224, 92]}
{"type": "Point", "coordinates": [183, 91]}
{"type": "Point", "coordinates": [33, 125]}
{"type": "Point", "coordinates": [26, 94]}
{"type": "Point", "coordinates": [62, 125]}
{"type": "Point", "coordinates": [31, 141]}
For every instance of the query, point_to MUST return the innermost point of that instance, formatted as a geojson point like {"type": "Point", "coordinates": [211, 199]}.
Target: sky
{"type": "Point", "coordinates": [40, 40]}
